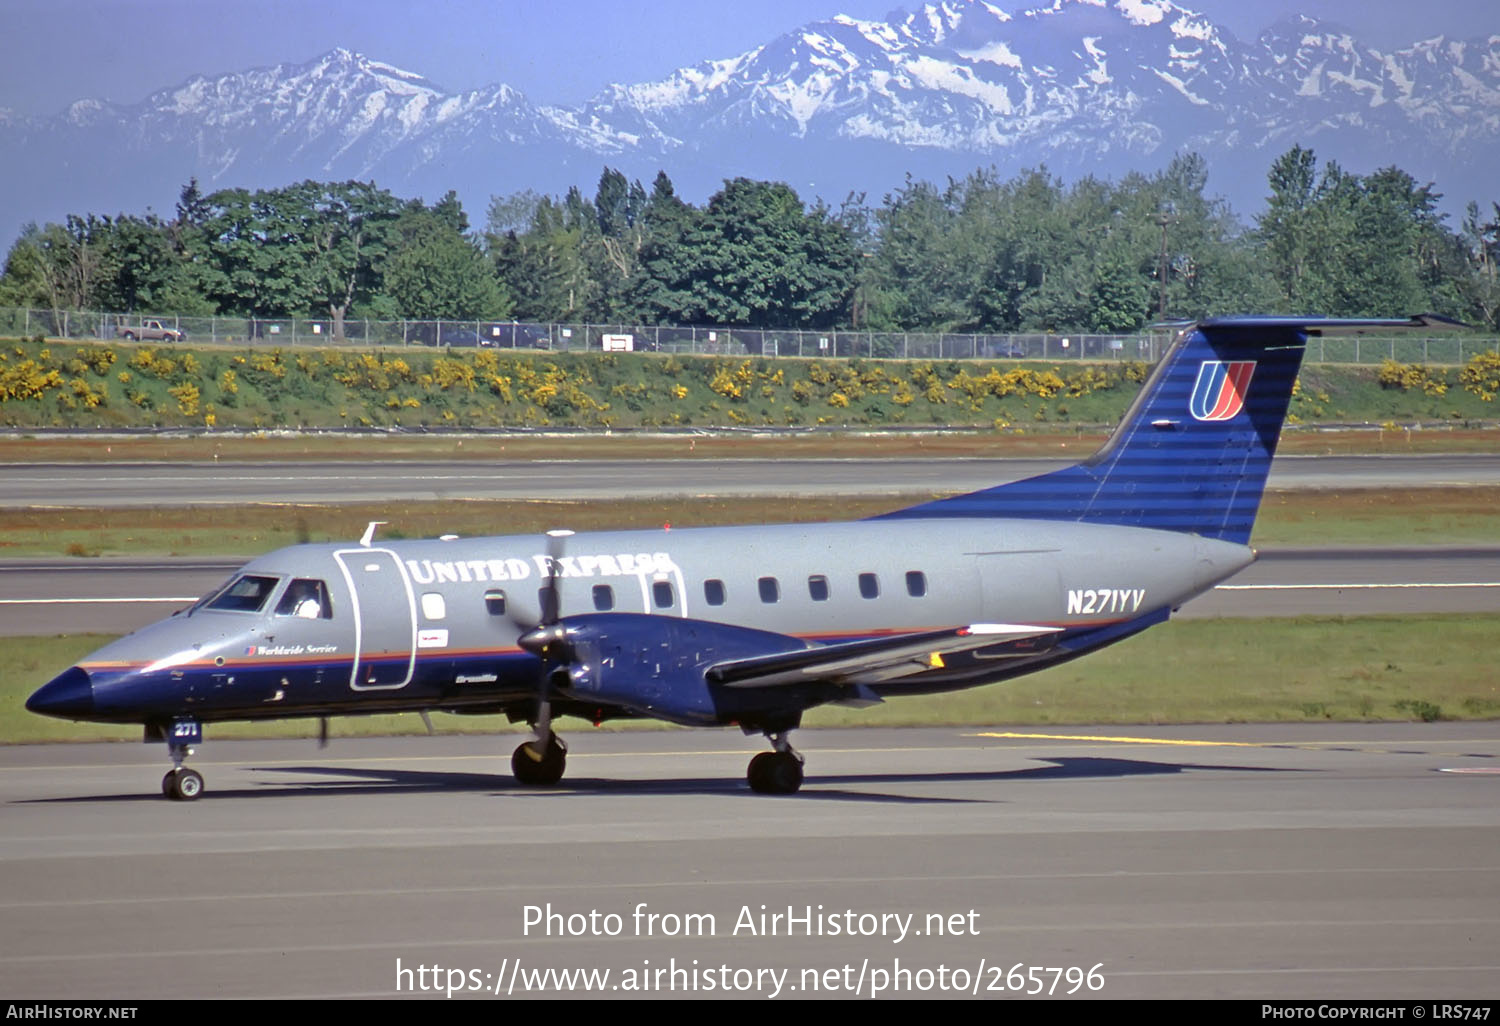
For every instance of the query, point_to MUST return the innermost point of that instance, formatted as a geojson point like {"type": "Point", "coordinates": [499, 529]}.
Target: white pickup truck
{"type": "Point", "coordinates": [149, 331]}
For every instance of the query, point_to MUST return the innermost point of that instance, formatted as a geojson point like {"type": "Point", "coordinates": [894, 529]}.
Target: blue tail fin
{"type": "Point", "coordinates": [1193, 451]}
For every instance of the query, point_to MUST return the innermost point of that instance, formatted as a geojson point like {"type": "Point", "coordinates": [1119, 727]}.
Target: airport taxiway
{"type": "Point", "coordinates": [1265, 862]}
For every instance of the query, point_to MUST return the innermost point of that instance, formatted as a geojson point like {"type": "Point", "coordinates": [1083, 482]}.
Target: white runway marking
{"type": "Point", "coordinates": [74, 601]}
{"type": "Point", "coordinates": [1356, 587]}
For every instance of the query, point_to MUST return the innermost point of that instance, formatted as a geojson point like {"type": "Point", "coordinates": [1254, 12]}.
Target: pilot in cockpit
{"type": "Point", "coordinates": [304, 598]}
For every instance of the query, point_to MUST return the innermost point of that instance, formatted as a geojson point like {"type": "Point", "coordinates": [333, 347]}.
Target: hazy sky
{"type": "Point", "coordinates": [560, 52]}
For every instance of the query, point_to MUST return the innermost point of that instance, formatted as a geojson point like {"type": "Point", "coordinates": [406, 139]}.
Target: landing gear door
{"type": "Point", "coordinates": [385, 619]}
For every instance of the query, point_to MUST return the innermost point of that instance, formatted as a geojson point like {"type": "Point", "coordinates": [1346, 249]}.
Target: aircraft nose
{"type": "Point", "coordinates": [68, 696]}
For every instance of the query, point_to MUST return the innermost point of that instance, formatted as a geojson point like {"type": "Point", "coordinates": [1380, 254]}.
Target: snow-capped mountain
{"type": "Point", "coordinates": [1097, 87]}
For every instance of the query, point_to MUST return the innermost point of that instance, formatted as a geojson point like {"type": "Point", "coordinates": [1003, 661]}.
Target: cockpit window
{"type": "Point", "coordinates": [306, 598]}
{"type": "Point", "coordinates": [246, 594]}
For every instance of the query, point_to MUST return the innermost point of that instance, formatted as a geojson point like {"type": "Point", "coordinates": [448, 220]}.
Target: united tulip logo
{"type": "Point", "coordinates": [1219, 392]}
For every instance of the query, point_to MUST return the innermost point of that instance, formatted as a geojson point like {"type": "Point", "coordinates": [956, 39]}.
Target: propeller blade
{"type": "Point", "coordinates": [556, 543]}
{"type": "Point", "coordinates": [549, 639]}
{"type": "Point", "coordinates": [323, 732]}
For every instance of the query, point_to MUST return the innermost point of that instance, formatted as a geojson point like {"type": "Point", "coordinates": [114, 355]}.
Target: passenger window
{"type": "Point", "coordinates": [305, 598]}
{"type": "Point", "coordinates": [433, 606]}
{"type": "Point", "coordinates": [604, 598]}
{"type": "Point", "coordinates": [713, 592]}
{"type": "Point", "coordinates": [869, 586]}
{"type": "Point", "coordinates": [770, 590]}
{"type": "Point", "coordinates": [916, 583]}
{"type": "Point", "coordinates": [494, 602]}
{"type": "Point", "coordinates": [661, 594]}
{"type": "Point", "coordinates": [817, 587]}
{"type": "Point", "coordinates": [246, 594]}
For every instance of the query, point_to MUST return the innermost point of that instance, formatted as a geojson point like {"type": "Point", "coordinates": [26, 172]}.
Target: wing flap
{"type": "Point", "coordinates": [876, 659]}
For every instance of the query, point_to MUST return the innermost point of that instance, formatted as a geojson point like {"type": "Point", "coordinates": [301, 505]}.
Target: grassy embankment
{"type": "Point", "coordinates": [98, 385]}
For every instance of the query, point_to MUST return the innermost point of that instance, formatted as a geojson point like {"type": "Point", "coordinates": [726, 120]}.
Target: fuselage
{"type": "Point", "coordinates": [321, 630]}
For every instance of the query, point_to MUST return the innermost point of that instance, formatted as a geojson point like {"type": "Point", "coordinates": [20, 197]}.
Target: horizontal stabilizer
{"type": "Point", "coordinates": [872, 660]}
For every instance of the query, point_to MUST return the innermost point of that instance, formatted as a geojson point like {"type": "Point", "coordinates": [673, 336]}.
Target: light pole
{"type": "Point", "coordinates": [1164, 218]}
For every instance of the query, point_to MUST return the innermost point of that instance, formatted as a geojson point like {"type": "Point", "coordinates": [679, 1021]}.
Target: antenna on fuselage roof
{"type": "Point", "coordinates": [369, 535]}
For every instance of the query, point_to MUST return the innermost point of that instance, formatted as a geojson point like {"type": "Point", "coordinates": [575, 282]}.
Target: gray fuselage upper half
{"type": "Point", "coordinates": [812, 581]}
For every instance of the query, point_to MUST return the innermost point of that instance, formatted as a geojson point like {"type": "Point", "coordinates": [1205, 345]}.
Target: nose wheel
{"type": "Point", "coordinates": [777, 772]}
{"type": "Point", "coordinates": [182, 784]}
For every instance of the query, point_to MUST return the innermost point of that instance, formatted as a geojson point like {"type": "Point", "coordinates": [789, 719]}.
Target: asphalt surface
{"type": "Point", "coordinates": [1263, 862]}
{"type": "Point", "coordinates": [154, 484]}
{"type": "Point", "coordinates": [49, 596]}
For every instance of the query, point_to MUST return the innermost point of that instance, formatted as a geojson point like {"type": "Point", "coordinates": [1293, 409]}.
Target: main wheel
{"type": "Point", "coordinates": [756, 774]}
{"type": "Point", "coordinates": [541, 770]}
{"type": "Point", "coordinates": [775, 773]}
{"type": "Point", "coordinates": [183, 785]}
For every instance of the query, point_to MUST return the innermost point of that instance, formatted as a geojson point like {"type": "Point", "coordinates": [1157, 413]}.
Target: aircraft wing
{"type": "Point", "coordinates": [877, 659]}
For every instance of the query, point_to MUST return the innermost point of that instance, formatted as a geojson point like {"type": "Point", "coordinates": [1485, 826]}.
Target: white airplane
{"type": "Point", "coordinates": [737, 626]}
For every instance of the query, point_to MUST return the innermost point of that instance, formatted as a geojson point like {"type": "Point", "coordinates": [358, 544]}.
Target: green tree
{"type": "Point", "coordinates": [347, 235]}
{"type": "Point", "coordinates": [661, 285]}
{"type": "Point", "coordinates": [57, 266]}
{"type": "Point", "coordinates": [915, 277]}
{"type": "Point", "coordinates": [613, 246]}
{"type": "Point", "coordinates": [542, 266]}
{"type": "Point", "coordinates": [1479, 284]}
{"type": "Point", "coordinates": [249, 254]}
{"type": "Point", "coordinates": [1346, 245]}
{"type": "Point", "coordinates": [313, 246]}
{"type": "Point", "coordinates": [762, 260]}
{"type": "Point", "coordinates": [437, 273]}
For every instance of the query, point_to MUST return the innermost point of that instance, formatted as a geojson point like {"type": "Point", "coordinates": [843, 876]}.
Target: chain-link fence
{"type": "Point", "coordinates": [709, 341]}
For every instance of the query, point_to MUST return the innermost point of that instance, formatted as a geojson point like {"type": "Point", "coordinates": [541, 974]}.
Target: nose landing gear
{"type": "Point", "coordinates": [182, 784]}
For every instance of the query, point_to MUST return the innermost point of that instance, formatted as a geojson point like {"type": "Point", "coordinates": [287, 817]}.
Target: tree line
{"type": "Point", "coordinates": [981, 253]}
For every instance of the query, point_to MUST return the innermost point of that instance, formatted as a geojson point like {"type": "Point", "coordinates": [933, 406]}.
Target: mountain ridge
{"type": "Point", "coordinates": [834, 106]}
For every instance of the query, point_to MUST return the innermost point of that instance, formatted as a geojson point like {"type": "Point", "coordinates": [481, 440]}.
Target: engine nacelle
{"type": "Point", "coordinates": [655, 665]}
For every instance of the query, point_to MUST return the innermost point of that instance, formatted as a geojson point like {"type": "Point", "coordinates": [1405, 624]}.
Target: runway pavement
{"type": "Point", "coordinates": [49, 596]}
{"type": "Point", "coordinates": [153, 484]}
{"type": "Point", "coordinates": [1264, 862]}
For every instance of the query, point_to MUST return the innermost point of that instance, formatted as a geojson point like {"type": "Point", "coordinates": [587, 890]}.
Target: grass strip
{"type": "Point", "coordinates": [95, 447]}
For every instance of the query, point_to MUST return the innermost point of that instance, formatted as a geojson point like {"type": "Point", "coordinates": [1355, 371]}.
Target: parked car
{"type": "Point", "coordinates": [463, 337]}
{"type": "Point", "coordinates": [149, 331]}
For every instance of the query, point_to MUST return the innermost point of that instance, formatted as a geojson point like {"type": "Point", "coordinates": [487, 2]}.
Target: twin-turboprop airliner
{"type": "Point", "coordinates": [736, 626]}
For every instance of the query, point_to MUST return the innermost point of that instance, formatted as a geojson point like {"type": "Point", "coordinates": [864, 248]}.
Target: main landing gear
{"type": "Point", "coordinates": [776, 772]}
{"type": "Point", "coordinates": [538, 763]}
